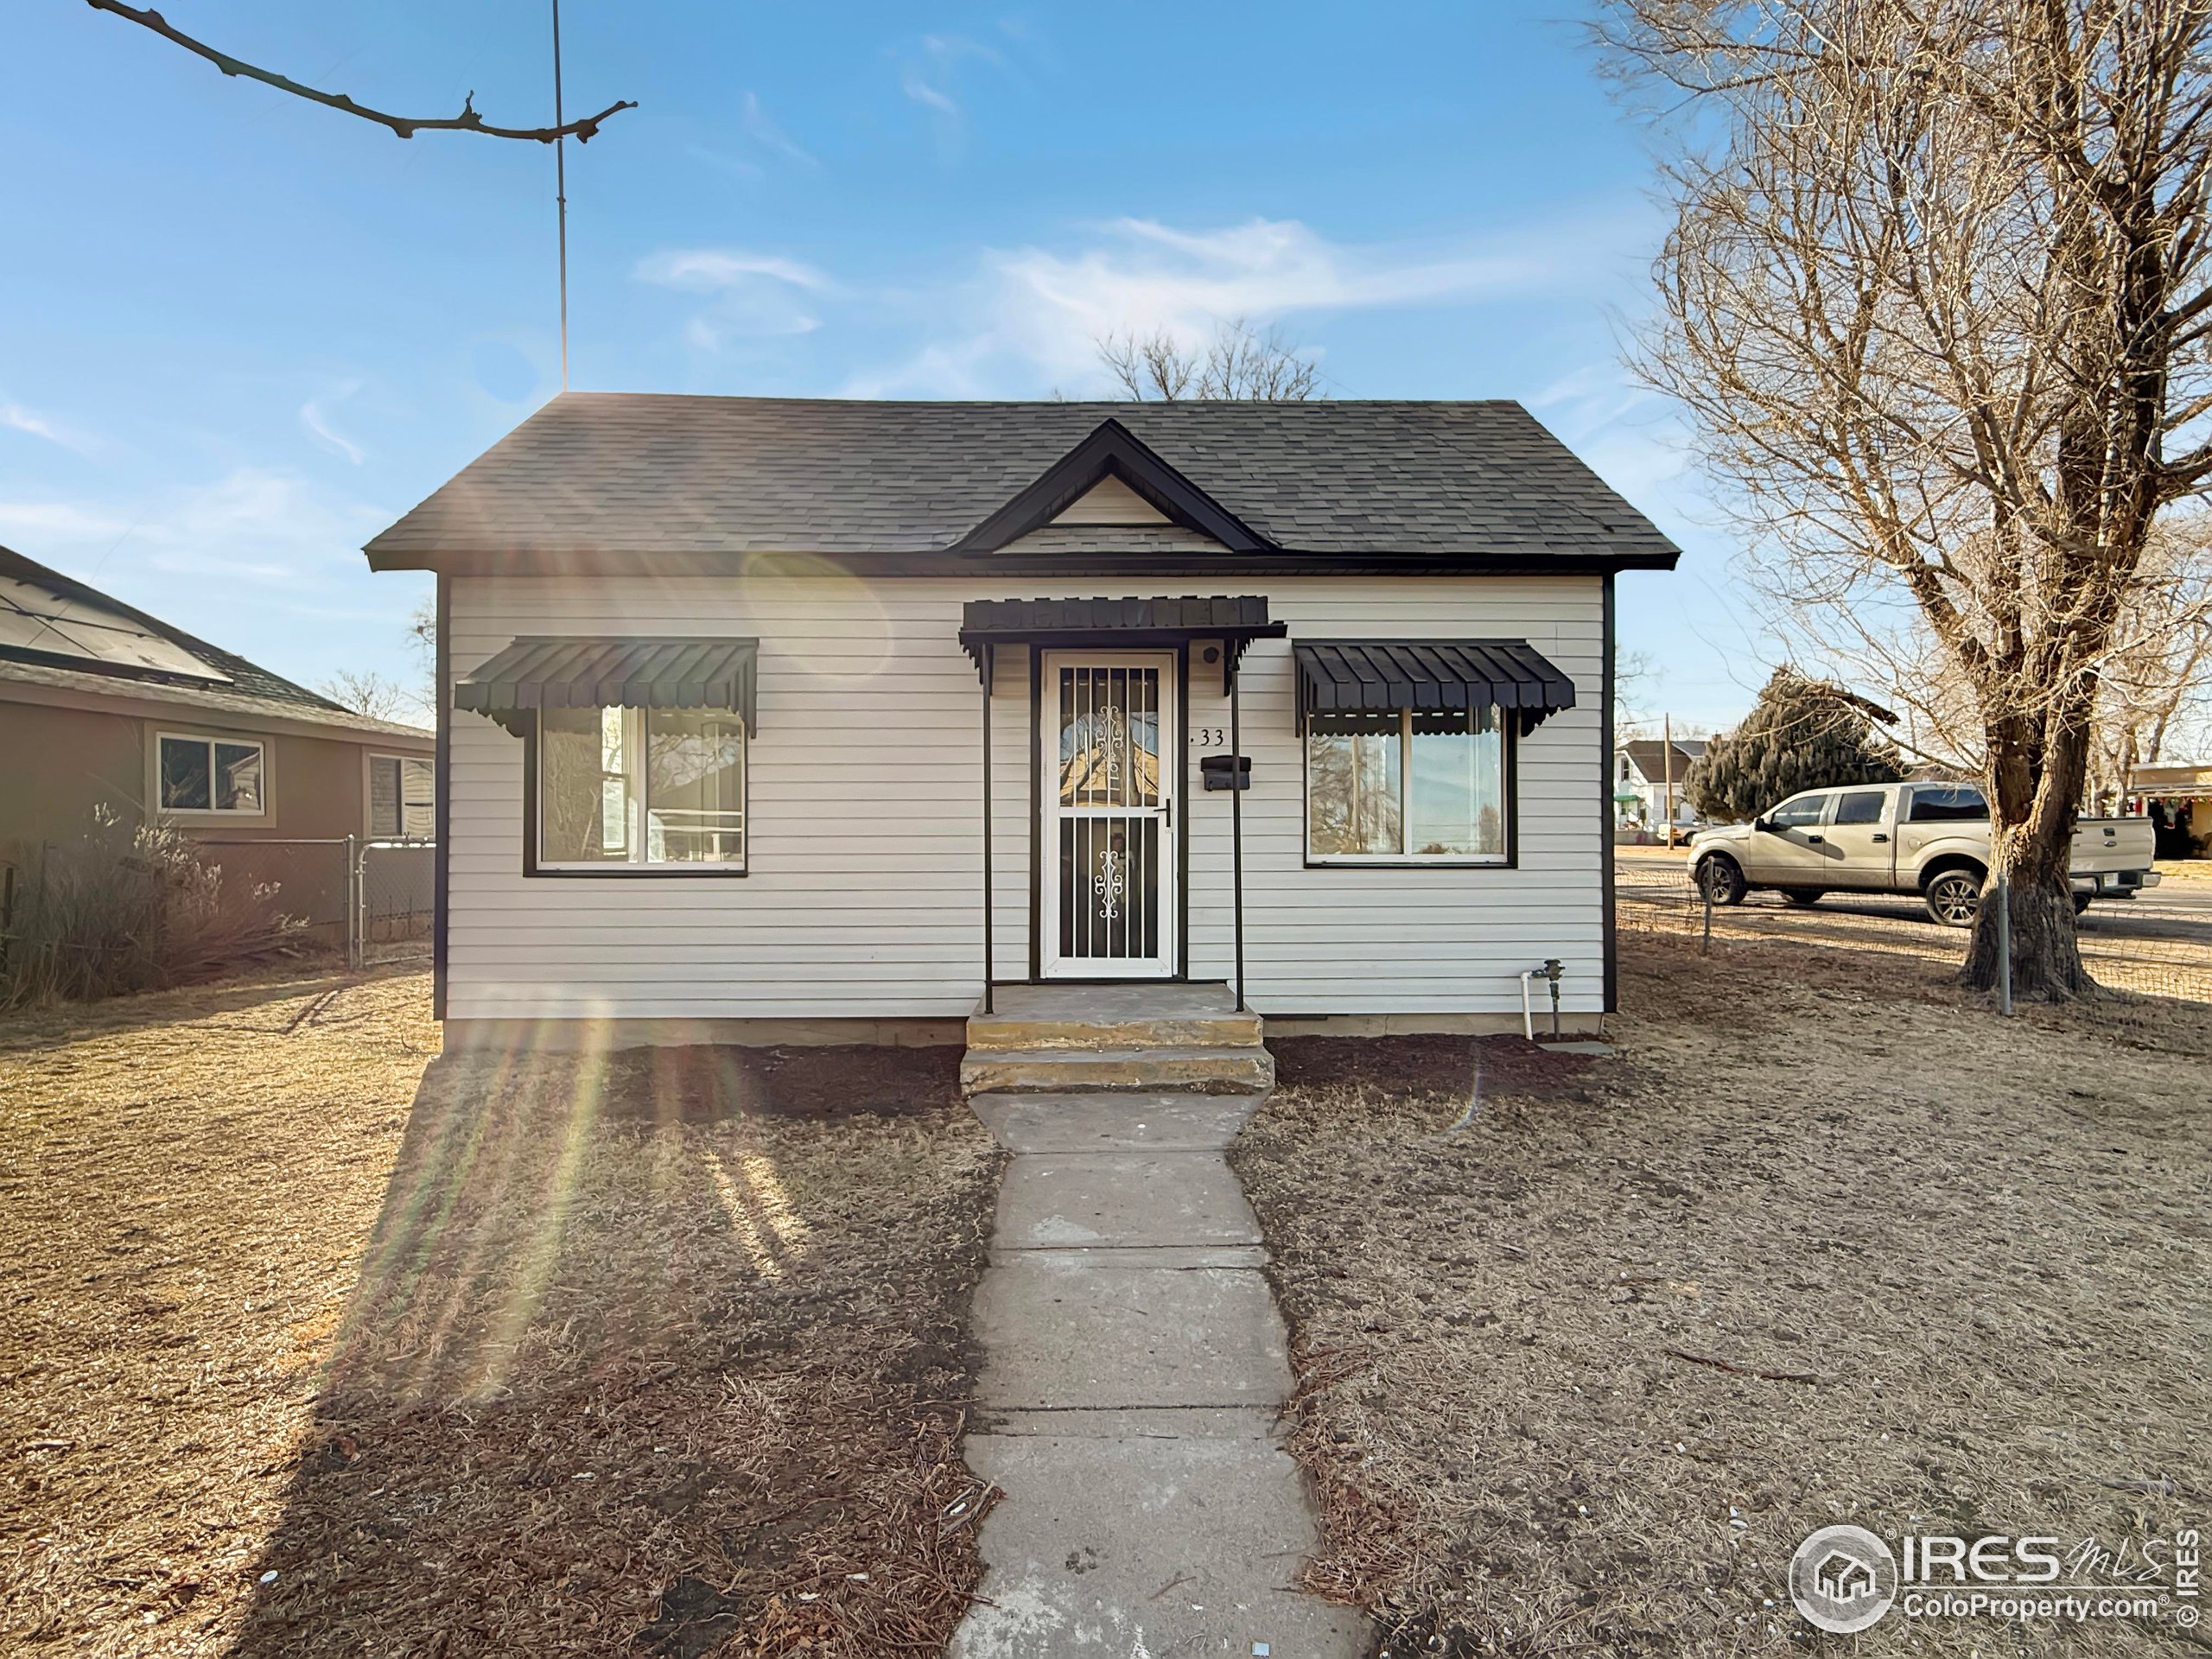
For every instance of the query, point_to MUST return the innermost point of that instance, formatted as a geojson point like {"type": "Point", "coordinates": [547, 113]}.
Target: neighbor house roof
{"type": "Point", "coordinates": [1650, 755]}
{"type": "Point", "coordinates": [68, 637]}
{"type": "Point", "coordinates": [599, 478]}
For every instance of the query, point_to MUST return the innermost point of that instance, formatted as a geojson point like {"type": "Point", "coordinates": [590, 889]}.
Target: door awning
{"type": "Point", "coordinates": [1366, 677]}
{"type": "Point", "coordinates": [1109, 622]}
{"type": "Point", "coordinates": [542, 671]}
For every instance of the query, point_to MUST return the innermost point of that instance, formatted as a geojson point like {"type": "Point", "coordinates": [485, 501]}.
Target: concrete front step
{"type": "Point", "coordinates": [997, 1032]}
{"type": "Point", "coordinates": [1239, 1071]}
{"type": "Point", "coordinates": [1142, 1014]}
{"type": "Point", "coordinates": [1132, 1122]}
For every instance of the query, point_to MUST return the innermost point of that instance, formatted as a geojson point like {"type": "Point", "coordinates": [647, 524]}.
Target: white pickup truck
{"type": "Point", "coordinates": [1931, 839]}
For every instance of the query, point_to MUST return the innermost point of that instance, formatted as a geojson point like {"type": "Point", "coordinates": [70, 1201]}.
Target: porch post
{"type": "Point", "coordinates": [988, 956]}
{"type": "Point", "coordinates": [1236, 827]}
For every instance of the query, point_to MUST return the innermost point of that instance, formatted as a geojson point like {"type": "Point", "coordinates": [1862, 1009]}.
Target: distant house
{"type": "Point", "coordinates": [102, 705]}
{"type": "Point", "coordinates": [2179, 801]}
{"type": "Point", "coordinates": [1641, 770]}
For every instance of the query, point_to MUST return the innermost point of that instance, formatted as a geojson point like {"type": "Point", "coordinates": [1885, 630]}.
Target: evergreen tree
{"type": "Point", "coordinates": [1802, 734]}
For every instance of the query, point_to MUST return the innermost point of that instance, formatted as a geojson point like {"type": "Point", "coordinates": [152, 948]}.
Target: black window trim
{"type": "Point", "coordinates": [700, 871]}
{"type": "Point", "coordinates": [1511, 860]}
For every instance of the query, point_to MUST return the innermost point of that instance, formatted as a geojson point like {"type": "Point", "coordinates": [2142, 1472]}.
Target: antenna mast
{"type": "Point", "coordinates": [561, 192]}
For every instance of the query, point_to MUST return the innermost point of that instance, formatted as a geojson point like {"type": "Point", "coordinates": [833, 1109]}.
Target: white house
{"type": "Point", "coordinates": [777, 719]}
{"type": "Point", "coordinates": [1645, 774]}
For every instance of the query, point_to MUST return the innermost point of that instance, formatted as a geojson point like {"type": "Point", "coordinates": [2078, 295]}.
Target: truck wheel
{"type": "Point", "coordinates": [1719, 878]}
{"type": "Point", "coordinates": [1953, 896]}
{"type": "Point", "coordinates": [1805, 895]}
{"type": "Point", "coordinates": [2080, 903]}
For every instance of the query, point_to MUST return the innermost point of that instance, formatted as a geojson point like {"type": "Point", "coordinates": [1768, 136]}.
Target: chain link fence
{"type": "Point", "coordinates": [2142, 951]}
{"type": "Point", "coordinates": [371, 900]}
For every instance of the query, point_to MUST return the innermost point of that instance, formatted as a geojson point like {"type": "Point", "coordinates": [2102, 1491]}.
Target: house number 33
{"type": "Point", "coordinates": [1209, 737]}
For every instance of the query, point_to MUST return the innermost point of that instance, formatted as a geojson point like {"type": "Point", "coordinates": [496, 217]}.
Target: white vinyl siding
{"type": "Point", "coordinates": [865, 841]}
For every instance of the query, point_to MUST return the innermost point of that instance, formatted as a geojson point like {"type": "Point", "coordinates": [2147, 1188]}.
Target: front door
{"type": "Point", "coordinates": [1112, 742]}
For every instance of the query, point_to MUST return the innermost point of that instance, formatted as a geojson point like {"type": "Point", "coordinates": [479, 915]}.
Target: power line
{"type": "Point", "coordinates": [561, 192]}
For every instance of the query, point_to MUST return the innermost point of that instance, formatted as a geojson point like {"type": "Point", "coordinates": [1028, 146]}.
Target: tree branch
{"type": "Point", "coordinates": [406, 126]}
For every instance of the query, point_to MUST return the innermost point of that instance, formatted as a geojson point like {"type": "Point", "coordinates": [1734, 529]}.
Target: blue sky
{"type": "Point", "coordinates": [239, 334]}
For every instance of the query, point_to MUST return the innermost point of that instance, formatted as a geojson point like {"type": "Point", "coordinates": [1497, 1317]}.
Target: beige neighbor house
{"type": "Point", "coordinates": [767, 719]}
{"type": "Point", "coordinates": [103, 706]}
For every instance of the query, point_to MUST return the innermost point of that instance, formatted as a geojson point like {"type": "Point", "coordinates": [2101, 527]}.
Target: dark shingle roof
{"type": "Point", "coordinates": [1650, 755]}
{"type": "Point", "coordinates": [596, 473]}
{"type": "Point", "coordinates": [245, 680]}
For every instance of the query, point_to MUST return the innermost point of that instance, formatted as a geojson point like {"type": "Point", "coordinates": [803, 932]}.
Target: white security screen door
{"type": "Point", "coordinates": [1110, 768]}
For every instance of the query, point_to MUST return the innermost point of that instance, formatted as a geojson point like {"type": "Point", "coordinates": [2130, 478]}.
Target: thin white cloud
{"type": "Point", "coordinates": [1630, 436]}
{"type": "Point", "coordinates": [751, 295]}
{"type": "Point", "coordinates": [765, 132]}
{"type": "Point", "coordinates": [62, 521]}
{"type": "Point", "coordinates": [265, 525]}
{"type": "Point", "coordinates": [15, 417]}
{"type": "Point", "coordinates": [912, 83]}
{"type": "Point", "coordinates": [708, 269]}
{"type": "Point", "coordinates": [274, 526]}
{"type": "Point", "coordinates": [930, 71]}
{"type": "Point", "coordinates": [1034, 315]}
{"type": "Point", "coordinates": [318, 429]}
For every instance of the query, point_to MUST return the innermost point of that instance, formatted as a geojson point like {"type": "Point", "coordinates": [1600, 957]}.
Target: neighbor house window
{"type": "Point", "coordinates": [402, 797]}
{"type": "Point", "coordinates": [212, 774]}
{"type": "Point", "coordinates": [640, 787]}
{"type": "Point", "coordinates": [1405, 787]}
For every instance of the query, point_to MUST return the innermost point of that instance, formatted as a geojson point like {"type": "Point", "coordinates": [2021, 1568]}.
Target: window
{"type": "Point", "coordinates": [1946, 803]}
{"type": "Point", "coordinates": [1804, 812]}
{"type": "Point", "coordinates": [1405, 787]}
{"type": "Point", "coordinates": [402, 797]}
{"type": "Point", "coordinates": [212, 774]}
{"type": "Point", "coordinates": [640, 787]}
{"type": "Point", "coordinates": [1861, 806]}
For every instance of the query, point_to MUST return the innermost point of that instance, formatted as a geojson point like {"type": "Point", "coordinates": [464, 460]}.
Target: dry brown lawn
{"type": "Point", "coordinates": [315, 1343]}
{"type": "Point", "coordinates": [1972, 1258]}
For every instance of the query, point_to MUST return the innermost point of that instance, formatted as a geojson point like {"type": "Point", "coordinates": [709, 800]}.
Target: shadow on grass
{"type": "Point", "coordinates": [662, 1346]}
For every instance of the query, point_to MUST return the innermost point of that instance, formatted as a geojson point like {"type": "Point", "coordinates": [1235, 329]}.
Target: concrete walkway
{"type": "Point", "coordinates": [1133, 1361]}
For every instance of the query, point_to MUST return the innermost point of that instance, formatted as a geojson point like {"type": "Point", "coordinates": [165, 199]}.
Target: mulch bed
{"type": "Point", "coordinates": [1579, 1368]}
{"type": "Point", "coordinates": [320, 1343]}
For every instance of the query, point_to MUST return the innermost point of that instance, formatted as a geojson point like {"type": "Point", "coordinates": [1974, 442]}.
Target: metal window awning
{"type": "Point", "coordinates": [1108, 622]}
{"type": "Point", "coordinates": [542, 671]}
{"type": "Point", "coordinates": [1368, 676]}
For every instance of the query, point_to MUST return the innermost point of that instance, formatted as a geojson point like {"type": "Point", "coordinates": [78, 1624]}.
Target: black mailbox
{"type": "Point", "coordinates": [1226, 771]}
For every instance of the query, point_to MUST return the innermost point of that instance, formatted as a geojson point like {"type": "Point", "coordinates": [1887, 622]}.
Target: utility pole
{"type": "Point", "coordinates": [1667, 764]}
{"type": "Point", "coordinates": [560, 194]}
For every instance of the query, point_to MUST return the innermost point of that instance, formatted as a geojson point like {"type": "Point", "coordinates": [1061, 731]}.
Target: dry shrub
{"type": "Point", "coordinates": [119, 910]}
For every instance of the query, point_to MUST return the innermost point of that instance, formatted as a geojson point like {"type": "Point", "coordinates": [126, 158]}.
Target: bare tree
{"type": "Point", "coordinates": [1936, 300]}
{"type": "Point", "coordinates": [423, 640]}
{"type": "Point", "coordinates": [367, 692]}
{"type": "Point", "coordinates": [2154, 691]}
{"type": "Point", "coordinates": [1635, 675]}
{"type": "Point", "coordinates": [1236, 365]}
{"type": "Point", "coordinates": [582, 130]}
